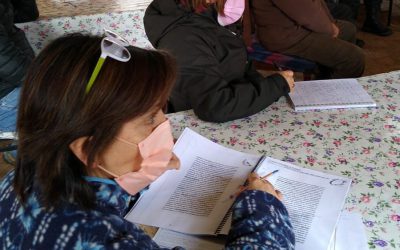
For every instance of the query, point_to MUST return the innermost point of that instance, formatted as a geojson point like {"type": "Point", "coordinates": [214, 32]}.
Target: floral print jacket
{"type": "Point", "coordinates": [259, 221]}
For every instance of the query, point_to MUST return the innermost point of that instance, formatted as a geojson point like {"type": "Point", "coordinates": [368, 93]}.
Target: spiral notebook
{"type": "Point", "coordinates": [330, 94]}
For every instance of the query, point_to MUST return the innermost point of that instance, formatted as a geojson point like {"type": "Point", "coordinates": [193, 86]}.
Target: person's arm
{"type": "Point", "coordinates": [108, 233]}
{"type": "Point", "coordinates": [327, 11]}
{"type": "Point", "coordinates": [308, 14]}
{"type": "Point", "coordinates": [25, 10]}
{"type": "Point", "coordinates": [259, 219]}
{"type": "Point", "coordinates": [14, 57]}
{"type": "Point", "coordinates": [335, 28]}
{"type": "Point", "coordinates": [212, 97]}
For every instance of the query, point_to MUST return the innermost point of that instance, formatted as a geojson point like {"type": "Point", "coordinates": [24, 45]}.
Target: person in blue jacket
{"type": "Point", "coordinates": [92, 137]}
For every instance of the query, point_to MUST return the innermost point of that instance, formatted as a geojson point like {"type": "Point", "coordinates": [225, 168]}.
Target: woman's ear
{"type": "Point", "coordinates": [77, 148]}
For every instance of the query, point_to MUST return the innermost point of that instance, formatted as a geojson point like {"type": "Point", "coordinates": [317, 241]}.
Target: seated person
{"type": "Point", "coordinates": [340, 11]}
{"type": "Point", "coordinates": [372, 23]}
{"type": "Point", "coordinates": [343, 12]}
{"type": "Point", "coordinates": [91, 139]}
{"type": "Point", "coordinates": [310, 32]}
{"type": "Point", "coordinates": [213, 76]}
{"type": "Point", "coordinates": [15, 56]}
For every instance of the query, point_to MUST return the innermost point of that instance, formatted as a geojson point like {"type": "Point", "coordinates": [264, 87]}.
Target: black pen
{"type": "Point", "coordinates": [258, 164]}
{"type": "Point", "coordinates": [244, 187]}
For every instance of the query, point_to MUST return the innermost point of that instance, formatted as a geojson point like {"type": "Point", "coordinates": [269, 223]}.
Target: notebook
{"type": "Point", "coordinates": [330, 94]}
{"type": "Point", "coordinates": [196, 199]}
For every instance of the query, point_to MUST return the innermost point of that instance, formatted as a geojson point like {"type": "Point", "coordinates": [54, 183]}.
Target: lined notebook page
{"type": "Point", "coordinates": [330, 94]}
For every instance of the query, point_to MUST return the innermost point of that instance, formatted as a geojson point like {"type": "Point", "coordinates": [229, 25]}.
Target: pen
{"type": "Point", "coordinates": [244, 187]}
{"type": "Point", "coordinates": [268, 175]}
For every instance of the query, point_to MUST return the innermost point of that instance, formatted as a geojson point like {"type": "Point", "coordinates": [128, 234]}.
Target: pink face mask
{"type": "Point", "coordinates": [233, 10]}
{"type": "Point", "coordinates": [156, 151]}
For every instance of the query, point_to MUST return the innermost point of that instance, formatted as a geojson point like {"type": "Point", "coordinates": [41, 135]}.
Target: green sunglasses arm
{"type": "Point", "coordinates": [95, 73]}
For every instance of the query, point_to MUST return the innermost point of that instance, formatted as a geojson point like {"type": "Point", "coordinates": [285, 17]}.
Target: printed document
{"type": "Point", "coordinates": [313, 199]}
{"type": "Point", "coordinates": [195, 198]}
{"type": "Point", "coordinates": [349, 233]}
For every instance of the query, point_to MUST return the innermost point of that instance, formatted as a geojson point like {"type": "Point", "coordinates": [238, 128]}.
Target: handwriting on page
{"type": "Point", "coordinates": [327, 94]}
{"type": "Point", "coordinates": [198, 192]}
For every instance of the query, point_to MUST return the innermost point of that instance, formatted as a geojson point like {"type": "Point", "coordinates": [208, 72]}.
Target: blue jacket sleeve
{"type": "Point", "coordinates": [260, 221]}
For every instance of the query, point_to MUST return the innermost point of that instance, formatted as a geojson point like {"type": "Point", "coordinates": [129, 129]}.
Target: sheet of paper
{"type": "Point", "coordinates": [349, 233]}
{"type": "Point", "coordinates": [313, 199]}
{"type": "Point", "coordinates": [195, 198]}
{"type": "Point", "coordinates": [329, 94]}
{"type": "Point", "coordinates": [169, 239]}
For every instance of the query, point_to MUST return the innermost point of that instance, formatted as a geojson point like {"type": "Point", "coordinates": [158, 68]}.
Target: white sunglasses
{"type": "Point", "coordinates": [114, 46]}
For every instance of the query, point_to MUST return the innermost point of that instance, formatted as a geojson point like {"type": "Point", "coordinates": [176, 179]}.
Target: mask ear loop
{"type": "Point", "coordinates": [107, 171]}
{"type": "Point", "coordinates": [127, 142]}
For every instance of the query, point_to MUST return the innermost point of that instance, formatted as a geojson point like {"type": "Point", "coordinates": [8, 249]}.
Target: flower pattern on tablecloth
{"type": "Point", "coordinates": [128, 24]}
{"type": "Point", "coordinates": [363, 144]}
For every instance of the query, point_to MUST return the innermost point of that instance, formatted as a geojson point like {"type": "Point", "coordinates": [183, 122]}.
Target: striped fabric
{"type": "Point", "coordinates": [256, 52]}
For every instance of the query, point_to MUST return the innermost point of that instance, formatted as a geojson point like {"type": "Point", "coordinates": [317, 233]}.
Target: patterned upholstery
{"type": "Point", "coordinates": [256, 52]}
{"type": "Point", "coordinates": [262, 57]}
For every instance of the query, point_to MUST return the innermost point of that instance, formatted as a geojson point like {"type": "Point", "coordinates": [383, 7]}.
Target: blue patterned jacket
{"type": "Point", "coordinates": [259, 221]}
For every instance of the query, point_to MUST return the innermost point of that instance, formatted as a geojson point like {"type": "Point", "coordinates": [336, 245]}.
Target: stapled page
{"type": "Point", "coordinates": [195, 198]}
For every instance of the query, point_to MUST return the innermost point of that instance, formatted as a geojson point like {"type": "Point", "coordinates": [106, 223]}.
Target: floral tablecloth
{"type": "Point", "coordinates": [128, 24]}
{"type": "Point", "coordinates": [363, 144]}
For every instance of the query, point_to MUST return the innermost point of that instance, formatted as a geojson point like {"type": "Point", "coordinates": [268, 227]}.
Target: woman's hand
{"type": "Point", "coordinates": [255, 182]}
{"type": "Point", "coordinates": [288, 75]}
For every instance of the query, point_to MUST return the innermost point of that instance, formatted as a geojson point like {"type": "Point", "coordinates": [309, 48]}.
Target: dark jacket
{"type": "Point", "coordinates": [282, 23]}
{"type": "Point", "coordinates": [213, 77]}
{"type": "Point", "coordinates": [15, 51]}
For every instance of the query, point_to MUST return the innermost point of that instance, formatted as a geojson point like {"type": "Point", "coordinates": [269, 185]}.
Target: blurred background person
{"type": "Point", "coordinates": [214, 78]}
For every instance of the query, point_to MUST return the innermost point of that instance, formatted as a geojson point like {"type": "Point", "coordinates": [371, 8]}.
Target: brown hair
{"type": "Point", "coordinates": [198, 4]}
{"type": "Point", "coordinates": [54, 111]}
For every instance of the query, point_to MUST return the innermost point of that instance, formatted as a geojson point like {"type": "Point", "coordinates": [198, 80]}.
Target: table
{"type": "Point", "coordinates": [58, 8]}
{"type": "Point", "coordinates": [363, 144]}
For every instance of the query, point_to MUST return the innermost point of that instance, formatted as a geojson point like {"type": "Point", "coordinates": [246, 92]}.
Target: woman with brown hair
{"type": "Point", "coordinates": [92, 136]}
{"type": "Point", "coordinates": [214, 78]}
